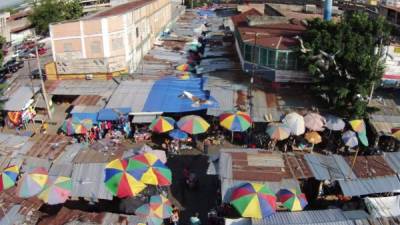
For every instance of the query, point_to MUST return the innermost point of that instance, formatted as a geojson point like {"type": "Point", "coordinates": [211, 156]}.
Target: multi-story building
{"type": "Point", "coordinates": [108, 42]}
{"type": "Point", "coordinates": [90, 6]}
{"type": "Point", "coordinates": [4, 31]}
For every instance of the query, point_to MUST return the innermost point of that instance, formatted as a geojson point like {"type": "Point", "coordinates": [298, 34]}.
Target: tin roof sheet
{"type": "Point", "coordinates": [393, 160]}
{"type": "Point", "coordinates": [49, 146]}
{"type": "Point", "coordinates": [329, 167]}
{"type": "Point", "coordinates": [366, 186]}
{"type": "Point", "coordinates": [18, 99]}
{"type": "Point", "coordinates": [87, 181]}
{"type": "Point", "coordinates": [12, 145]}
{"type": "Point", "coordinates": [87, 100]}
{"type": "Point", "coordinates": [102, 88]}
{"type": "Point", "coordinates": [320, 217]}
{"type": "Point", "coordinates": [131, 94]}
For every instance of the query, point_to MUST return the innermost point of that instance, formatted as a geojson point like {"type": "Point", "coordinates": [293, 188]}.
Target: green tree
{"type": "Point", "coordinates": [2, 42]}
{"type": "Point", "coordinates": [345, 60]}
{"type": "Point", "coordinates": [52, 11]}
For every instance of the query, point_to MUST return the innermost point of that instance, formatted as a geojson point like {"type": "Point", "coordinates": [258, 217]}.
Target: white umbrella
{"type": "Point", "coordinates": [314, 122]}
{"type": "Point", "coordinates": [295, 122]}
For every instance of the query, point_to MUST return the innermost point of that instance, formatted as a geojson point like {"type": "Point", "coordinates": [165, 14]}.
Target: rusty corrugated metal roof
{"type": "Point", "coordinates": [87, 100]}
{"type": "Point", "coordinates": [49, 146]}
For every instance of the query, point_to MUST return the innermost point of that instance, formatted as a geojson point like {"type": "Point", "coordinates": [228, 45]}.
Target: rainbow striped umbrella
{"type": "Point", "coordinates": [357, 125]}
{"type": "Point", "coordinates": [162, 124]}
{"type": "Point", "coordinates": [184, 76]}
{"type": "Point", "coordinates": [56, 190]}
{"type": "Point", "coordinates": [292, 199]}
{"type": "Point", "coordinates": [161, 206]}
{"type": "Point", "coordinates": [149, 169]}
{"type": "Point", "coordinates": [119, 179]}
{"type": "Point", "coordinates": [193, 124]}
{"type": "Point", "coordinates": [253, 200]}
{"type": "Point", "coordinates": [8, 177]}
{"type": "Point", "coordinates": [183, 67]}
{"type": "Point", "coordinates": [32, 183]}
{"type": "Point", "coordinates": [278, 131]}
{"type": "Point", "coordinates": [237, 121]}
{"type": "Point", "coordinates": [362, 136]}
{"type": "Point", "coordinates": [146, 212]}
{"type": "Point", "coordinates": [396, 134]}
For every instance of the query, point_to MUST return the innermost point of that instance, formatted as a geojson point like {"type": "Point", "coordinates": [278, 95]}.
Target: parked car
{"type": "Point", "coordinates": [35, 74]}
{"type": "Point", "coordinates": [13, 65]}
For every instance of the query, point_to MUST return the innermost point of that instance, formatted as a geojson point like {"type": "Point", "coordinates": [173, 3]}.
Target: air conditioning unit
{"type": "Point", "coordinates": [89, 77]}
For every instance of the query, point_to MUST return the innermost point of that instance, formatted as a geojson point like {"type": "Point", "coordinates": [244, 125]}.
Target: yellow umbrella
{"type": "Point", "coordinates": [397, 135]}
{"type": "Point", "coordinates": [357, 125]}
{"type": "Point", "coordinates": [313, 137]}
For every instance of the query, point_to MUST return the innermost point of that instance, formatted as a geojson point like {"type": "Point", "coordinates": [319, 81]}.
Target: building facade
{"type": "Point", "coordinates": [267, 48]}
{"type": "Point", "coordinates": [4, 31]}
{"type": "Point", "coordinates": [110, 41]}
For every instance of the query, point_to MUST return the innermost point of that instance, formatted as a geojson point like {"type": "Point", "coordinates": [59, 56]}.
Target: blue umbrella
{"type": "Point", "coordinates": [350, 138]}
{"type": "Point", "coordinates": [178, 134]}
{"type": "Point", "coordinates": [334, 123]}
{"type": "Point", "coordinates": [362, 136]}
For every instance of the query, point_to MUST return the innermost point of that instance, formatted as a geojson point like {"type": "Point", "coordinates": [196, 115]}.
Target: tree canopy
{"type": "Point", "coordinates": [344, 59]}
{"type": "Point", "coordinates": [2, 42]}
{"type": "Point", "coordinates": [51, 11]}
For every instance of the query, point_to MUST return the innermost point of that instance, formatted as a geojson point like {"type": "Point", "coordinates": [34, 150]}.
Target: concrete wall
{"type": "Point", "coordinates": [118, 40]}
{"type": "Point", "coordinates": [4, 30]}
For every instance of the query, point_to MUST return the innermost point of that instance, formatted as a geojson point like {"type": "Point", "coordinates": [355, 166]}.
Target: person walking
{"type": "Point", "coordinates": [206, 145]}
{"type": "Point", "coordinates": [175, 215]}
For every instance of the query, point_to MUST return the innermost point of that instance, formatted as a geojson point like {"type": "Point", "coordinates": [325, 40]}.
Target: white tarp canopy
{"type": "Point", "coordinates": [383, 206]}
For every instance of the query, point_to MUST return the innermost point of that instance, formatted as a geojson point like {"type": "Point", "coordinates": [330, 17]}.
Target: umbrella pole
{"type": "Point", "coordinates": [355, 157]}
{"type": "Point", "coordinates": [232, 137]}
{"type": "Point", "coordinates": [312, 148]}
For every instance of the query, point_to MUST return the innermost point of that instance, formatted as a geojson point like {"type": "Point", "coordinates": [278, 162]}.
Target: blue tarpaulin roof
{"type": "Point", "coordinates": [165, 94]}
{"type": "Point", "coordinates": [112, 114]}
{"type": "Point", "coordinates": [82, 116]}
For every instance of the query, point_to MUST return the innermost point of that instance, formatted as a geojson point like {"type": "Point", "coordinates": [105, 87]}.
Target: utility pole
{"type": "Point", "coordinates": [41, 77]}
{"type": "Point", "coordinates": [376, 69]}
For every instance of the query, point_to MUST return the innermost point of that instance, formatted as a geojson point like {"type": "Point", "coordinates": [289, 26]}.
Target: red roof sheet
{"type": "Point", "coordinates": [120, 9]}
{"type": "Point", "coordinates": [66, 215]}
{"type": "Point", "coordinates": [294, 167]}
{"type": "Point", "coordinates": [87, 100]}
{"type": "Point", "coordinates": [370, 166]}
{"type": "Point", "coordinates": [49, 146]}
{"type": "Point", "coordinates": [275, 36]}
{"type": "Point", "coordinates": [8, 198]}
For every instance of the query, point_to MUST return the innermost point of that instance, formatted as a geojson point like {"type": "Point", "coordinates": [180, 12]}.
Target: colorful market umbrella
{"type": "Point", "coordinates": [119, 179]}
{"type": "Point", "coordinates": [69, 125]}
{"type": "Point", "coordinates": [145, 211]}
{"type": "Point", "coordinates": [253, 200]}
{"type": "Point", "coordinates": [237, 121]}
{"type": "Point", "coordinates": [56, 190]}
{"type": "Point", "coordinates": [162, 124]}
{"type": "Point", "coordinates": [8, 177]}
{"type": "Point", "coordinates": [184, 76]}
{"type": "Point", "coordinates": [193, 124]}
{"type": "Point", "coordinates": [334, 123]}
{"type": "Point", "coordinates": [278, 131]}
{"type": "Point", "coordinates": [396, 134]}
{"type": "Point", "coordinates": [362, 136]}
{"type": "Point", "coordinates": [32, 183]}
{"type": "Point", "coordinates": [295, 122]}
{"type": "Point", "coordinates": [314, 122]}
{"type": "Point", "coordinates": [178, 134]}
{"type": "Point", "coordinates": [150, 170]}
{"type": "Point", "coordinates": [350, 139]}
{"type": "Point", "coordinates": [183, 67]}
{"type": "Point", "coordinates": [313, 137]}
{"type": "Point", "coordinates": [160, 206]}
{"type": "Point", "coordinates": [292, 199]}
{"type": "Point", "coordinates": [357, 125]}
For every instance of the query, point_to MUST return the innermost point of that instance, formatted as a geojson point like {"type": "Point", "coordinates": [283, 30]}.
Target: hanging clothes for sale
{"type": "Point", "coordinates": [15, 118]}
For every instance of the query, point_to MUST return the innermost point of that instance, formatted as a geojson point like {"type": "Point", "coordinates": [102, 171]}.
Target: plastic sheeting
{"type": "Point", "coordinates": [109, 114]}
{"type": "Point", "coordinates": [384, 206]}
{"type": "Point", "coordinates": [83, 116]}
{"type": "Point", "coordinates": [165, 96]}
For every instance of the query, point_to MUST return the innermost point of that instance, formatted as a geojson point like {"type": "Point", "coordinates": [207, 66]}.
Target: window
{"type": "Point", "coordinates": [282, 60]}
{"type": "Point", "coordinates": [263, 57]}
{"type": "Point", "coordinates": [68, 47]}
{"type": "Point", "coordinates": [271, 58]}
{"type": "Point", "coordinates": [292, 61]}
{"type": "Point", "coordinates": [116, 43]}
{"type": "Point", "coordinates": [137, 32]}
{"type": "Point", "coordinates": [247, 52]}
{"type": "Point", "coordinates": [95, 47]}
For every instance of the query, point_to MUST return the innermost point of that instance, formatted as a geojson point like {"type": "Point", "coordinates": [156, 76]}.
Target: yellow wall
{"type": "Point", "coordinates": [51, 72]}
